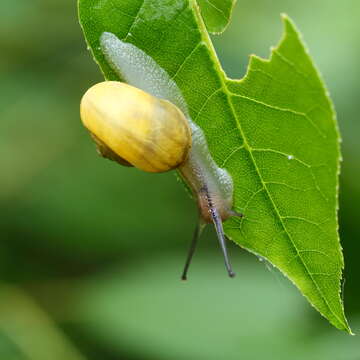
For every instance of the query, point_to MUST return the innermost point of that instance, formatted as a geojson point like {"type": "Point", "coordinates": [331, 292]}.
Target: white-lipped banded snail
{"type": "Point", "coordinates": [145, 123]}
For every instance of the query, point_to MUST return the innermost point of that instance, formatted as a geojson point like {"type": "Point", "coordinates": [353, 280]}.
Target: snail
{"type": "Point", "coordinates": [145, 123]}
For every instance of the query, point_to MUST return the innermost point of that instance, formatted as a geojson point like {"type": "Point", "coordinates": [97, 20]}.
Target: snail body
{"type": "Point", "coordinates": [208, 182]}
{"type": "Point", "coordinates": [156, 118]}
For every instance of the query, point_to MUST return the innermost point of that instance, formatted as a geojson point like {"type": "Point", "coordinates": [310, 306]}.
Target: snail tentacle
{"type": "Point", "coordinates": [197, 233]}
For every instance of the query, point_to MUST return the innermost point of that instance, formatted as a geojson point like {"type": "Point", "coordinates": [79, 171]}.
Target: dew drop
{"type": "Point", "coordinates": [290, 157]}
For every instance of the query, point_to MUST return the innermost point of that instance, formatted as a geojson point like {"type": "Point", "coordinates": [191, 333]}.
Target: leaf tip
{"type": "Point", "coordinates": [289, 25]}
{"type": "Point", "coordinates": [346, 326]}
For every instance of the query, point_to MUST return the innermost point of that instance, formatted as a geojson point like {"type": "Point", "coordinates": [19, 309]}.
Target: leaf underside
{"type": "Point", "coordinates": [274, 131]}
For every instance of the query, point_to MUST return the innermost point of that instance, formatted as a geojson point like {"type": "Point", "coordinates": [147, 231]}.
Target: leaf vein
{"type": "Point", "coordinates": [291, 64]}
{"type": "Point", "coordinates": [290, 157]}
{"type": "Point", "coordinates": [288, 186]}
{"type": "Point", "coordinates": [274, 107]}
{"type": "Point", "coordinates": [206, 102]}
{"type": "Point", "coordinates": [219, 10]}
{"type": "Point", "coordinates": [135, 19]}
{"type": "Point", "coordinates": [186, 59]}
{"type": "Point", "coordinates": [231, 154]}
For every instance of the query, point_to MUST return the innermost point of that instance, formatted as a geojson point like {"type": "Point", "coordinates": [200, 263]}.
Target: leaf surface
{"type": "Point", "coordinates": [274, 131]}
{"type": "Point", "coordinates": [216, 14]}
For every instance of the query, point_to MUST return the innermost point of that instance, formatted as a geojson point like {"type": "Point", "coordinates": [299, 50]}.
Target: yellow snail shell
{"type": "Point", "coordinates": [129, 124]}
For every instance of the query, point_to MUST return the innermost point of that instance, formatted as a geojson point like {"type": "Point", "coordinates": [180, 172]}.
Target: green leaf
{"type": "Point", "coordinates": [274, 131]}
{"type": "Point", "coordinates": [216, 14]}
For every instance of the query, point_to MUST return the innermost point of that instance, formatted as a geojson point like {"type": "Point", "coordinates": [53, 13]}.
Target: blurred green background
{"type": "Point", "coordinates": [91, 252]}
